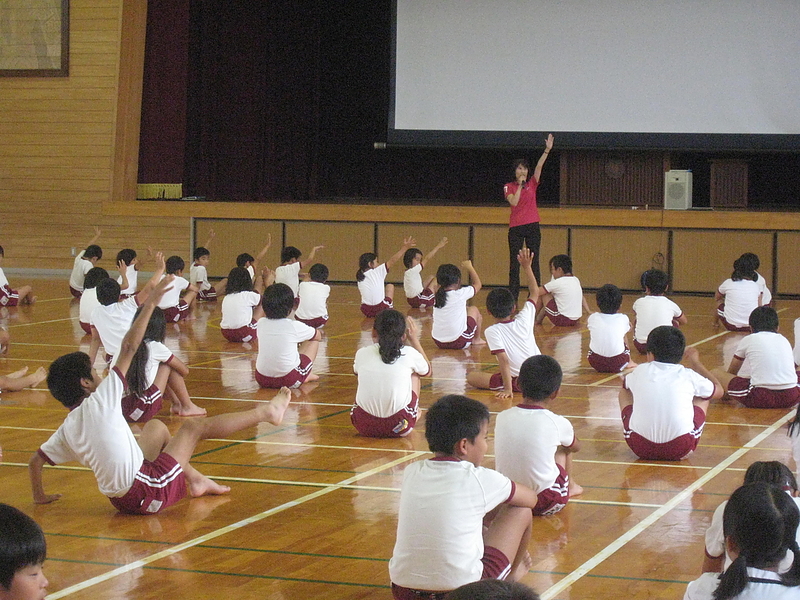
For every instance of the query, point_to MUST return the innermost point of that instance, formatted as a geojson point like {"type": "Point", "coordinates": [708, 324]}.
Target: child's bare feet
{"type": "Point", "coordinates": [18, 373]}
{"type": "Point", "coordinates": [479, 342]}
{"type": "Point", "coordinates": [200, 485]}
{"type": "Point", "coordinates": [187, 410]}
{"type": "Point", "coordinates": [631, 364]}
{"type": "Point", "coordinates": [38, 376]}
{"type": "Point", "coordinates": [273, 411]}
{"type": "Point", "coordinates": [30, 300]}
{"type": "Point", "coordinates": [522, 568]}
{"type": "Point", "coordinates": [574, 489]}
{"type": "Point", "coordinates": [311, 377]}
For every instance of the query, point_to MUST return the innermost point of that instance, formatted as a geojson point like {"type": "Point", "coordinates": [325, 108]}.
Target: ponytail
{"type": "Point", "coordinates": [732, 581]}
{"type": "Point", "coordinates": [363, 264]}
{"type": "Point", "coordinates": [446, 276]}
{"type": "Point", "coordinates": [137, 371]}
{"type": "Point", "coordinates": [390, 325]}
{"type": "Point", "coordinates": [794, 423]}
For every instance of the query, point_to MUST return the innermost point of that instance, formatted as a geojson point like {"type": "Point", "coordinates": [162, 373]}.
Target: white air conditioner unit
{"type": "Point", "coordinates": [678, 190]}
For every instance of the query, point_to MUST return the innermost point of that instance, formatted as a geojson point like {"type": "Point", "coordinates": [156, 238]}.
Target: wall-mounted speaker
{"type": "Point", "coordinates": [678, 190]}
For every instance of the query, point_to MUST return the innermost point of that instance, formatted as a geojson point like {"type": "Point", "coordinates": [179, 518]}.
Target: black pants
{"type": "Point", "coordinates": [532, 237]}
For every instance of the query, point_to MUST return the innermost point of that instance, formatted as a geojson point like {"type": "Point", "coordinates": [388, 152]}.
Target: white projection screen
{"type": "Point", "coordinates": [689, 74]}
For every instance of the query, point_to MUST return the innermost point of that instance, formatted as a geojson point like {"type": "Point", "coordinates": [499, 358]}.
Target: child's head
{"type": "Point", "coordinates": [2, 252]}
{"type": "Point", "coordinates": [500, 303]}
{"type": "Point", "coordinates": [493, 589]}
{"type": "Point", "coordinates": [93, 251]}
{"type": "Point", "coordinates": [278, 301]}
{"type": "Point", "coordinates": [750, 260]}
{"type": "Point", "coordinates": [239, 280]}
{"type": "Point", "coordinates": [318, 273]}
{"type": "Point", "coordinates": [764, 318]}
{"type": "Point", "coordinates": [390, 327]}
{"type": "Point", "coordinates": [174, 265]}
{"type": "Point", "coordinates": [412, 257]}
{"type": "Point", "coordinates": [69, 377]}
{"type": "Point", "coordinates": [561, 262]}
{"type": "Point", "coordinates": [666, 343]}
{"type": "Point", "coordinates": [539, 377]}
{"type": "Point", "coordinates": [609, 299]}
{"type": "Point", "coordinates": [743, 269]}
{"type": "Point", "coordinates": [773, 472]}
{"type": "Point", "coordinates": [22, 548]}
{"type": "Point", "coordinates": [200, 253]}
{"type": "Point", "coordinates": [244, 260]}
{"type": "Point", "coordinates": [365, 262]}
{"type": "Point", "coordinates": [126, 255]}
{"type": "Point", "coordinates": [108, 291]}
{"type": "Point", "coordinates": [453, 418]}
{"type": "Point", "coordinates": [448, 277]}
{"type": "Point", "coordinates": [655, 282]}
{"type": "Point", "coordinates": [94, 276]}
{"type": "Point", "coordinates": [290, 254]}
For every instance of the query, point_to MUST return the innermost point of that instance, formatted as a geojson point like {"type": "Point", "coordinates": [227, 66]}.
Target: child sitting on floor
{"type": "Point", "coordinates": [654, 309]}
{"type": "Point", "coordinates": [456, 326]}
{"type": "Point", "coordinates": [313, 294]}
{"type": "Point", "coordinates": [419, 294]}
{"type": "Point", "coordinates": [738, 296]}
{"type": "Point", "coordinates": [376, 294]}
{"type": "Point", "coordinates": [9, 297]}
{"type": "Point", "coordinates": [127, 259]}
{"type": "Point", "coordinates": [89, 299]}
{"type": "Point", "coordinates": [563, 303]}
{"type": "Point", "coordinates": [291, 265]}
{"type": "Point", "coordinates": [175, 307]}
{"type": "Point", "coordinates": [241, 307]}
{"type": "Point", "coordinates": [608, 333]}
{"type": "Point", "coordinates": [85, 260]}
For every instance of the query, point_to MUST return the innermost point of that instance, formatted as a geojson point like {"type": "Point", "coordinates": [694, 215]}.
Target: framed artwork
{"type": "Point", "coordinates": [34, 38]}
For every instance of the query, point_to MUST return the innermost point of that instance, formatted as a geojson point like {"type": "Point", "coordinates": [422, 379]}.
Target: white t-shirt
{"type": "Point", "coordinates": [514, 337]}
{"type": "Point", "coordinates": [132, 275]}
{"type": "Point", "coordinates": [607, 333]}
{"type": "Point", "coordinates": [290, 275]}
{"type": "Point", "coordinates": [768, 360]}
{"type": "Point", "coordinates": [703, 587]}
{"type": "Point", "coordinates": [372, 287]}
{"type": "Point", "coordinates": [662, 399]}
{"type": "Point", "coordinates": [766, 295]}
{"type": "Point", "coordinates": [198, 275]}
{"type": "Point", "coordinates": [313, 300]}
{"type": "Point", "coordinates": [385, 389]}
{"type": "Point", "coordinates": [277, 345]}
{"type": "Point", "coordinates": [568, 294]}
{"type": "Point", "coordinates": [237, 309]}
{"type": "Point", "coordinates": [412, 281]}
{"type": "Point", "coordinates": [113, 322]}
{"type": "Point", "coordinates": [450, 321]}
{"type": "Point", "coordinates": [96, 435]}
{"type": "Point", "coordinates": [3, 279]}
{"type": "Point", "coordinates": [88, 303]}
{"type": "Point", "coordinates": [526, 438]}
{"type": "Point", "coordinates": [158, 353]}
{"type": "Point", "coordinates": [796, 349]}
{"type": "Point", "coordinates": [741, 297]}
{"type": "Point", "coordinates": [79, 269]}
{"type": "Point", "coordinates": [652, 312]}
{"type": "Point", "coordinates": [173, 296]}
{"type": "Point", "coordinates": [440, 523]}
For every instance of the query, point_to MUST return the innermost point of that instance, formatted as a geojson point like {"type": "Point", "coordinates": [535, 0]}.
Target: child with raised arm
{"type": "Point", "coordinates": [198, 273]}
{"type": "Point", "coordinates": [511, 338]}
{"type": "Point", "coordinates": [9, 297]}
{"type": "Point", "coordinates": [247, 261]}
{"type": "Point", "coordinates": [176, 307]}
{"type": "Point", "coordinates": [241, 307]}
{"type": "Point", "coordinates": [533, 445]}
{"type": "Point", "coordinates": [85, 260]}
{"type": "Point", "coordinates": [289, 271]}
{"type": "Point", "coordinates": [127, 259]}
{"type": "Point", "coordinates": [419, 294]}
{"type": "Point", "coordinates": [664, 404]}
{"type": "Point", "coordinates": [22, 553]}
{"type": "Point", "coordinates": [376, 294]}
{"type": "Point", "coordinates": [441, 540]}
{"type": "Point", "coordinates": [563, 302]}
{"type": "Point", "coordinates": [313, 294]}
{"type": "Point", "coordinates": [654, 309]}
{"type": "Point", "coordinates": [138, 477]}
{"type": "Point", "coordinates": [608, 333]}
{"type": "Point", "coordinates": [389, 372]}
{"type": "Point", "coordinates": [456, 325]}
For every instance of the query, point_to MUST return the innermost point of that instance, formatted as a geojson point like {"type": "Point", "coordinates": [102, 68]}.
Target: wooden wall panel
{"type": "Point", "coordinates": [390, 236]}
{"type": "Point", "coordinates": [342, 241]}
{"type": "Point", "coordinates": [729, 183]}
{"type": "Point", "coordinates": [612, 178]}
{"type": "Point", "coordinates": [232, 237]}
{"type": "Point", "coordinates": [788, 276]}
{"type": "Point", "coordinates": [704, 259]}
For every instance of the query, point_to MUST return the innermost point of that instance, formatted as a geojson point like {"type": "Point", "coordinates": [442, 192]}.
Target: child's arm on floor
{"type": "Point", "coordinates": [442, 243]}
{"type": "Point", "coordinates": [692, 356]}
{"type": "Point", "coordinates": [407, 243]}
{"type": "Point", "coordinates": [505, 373]}
{"type": "Point", "coordinates": [475, 281]}
{"type": "Point", "coordinates": [94, 346]}
{"type": "Point", "coordinates": [35, 466]}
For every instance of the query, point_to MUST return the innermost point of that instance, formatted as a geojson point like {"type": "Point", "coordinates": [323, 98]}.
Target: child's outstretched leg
{"type": "Point", "coordinates": [26, 295]}
{"type": "Point", "coordinates": [564, 459]}
{"type": "Point", "coordinates": [510, 532]}
{"type": "Point", "coordinates": [5, 341]}
{"type": "Point", "coordinates": [475, 313]}
{"type": "Point", "coordinates": [19, 380]}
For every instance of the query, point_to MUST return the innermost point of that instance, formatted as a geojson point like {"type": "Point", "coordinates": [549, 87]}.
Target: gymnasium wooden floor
{"type": "Point", "coordinates": [312, 512]}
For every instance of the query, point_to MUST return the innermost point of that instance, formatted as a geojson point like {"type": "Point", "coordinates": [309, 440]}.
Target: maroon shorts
{"type": "Point", "coordinates": [676, 449]}
{"type": "Point", "coordinates": [157, 485]}
{"type": "Point", "coordinates": [759, 397]}
{"type": "Point", "coordinates": [75, 293]}
{"type": "Point", "coordinates": [641, 347]}
{"type": "Point", "coordinates": [315, 323]}
{"type": "Point", "coordinates": [399, 424]}
{"type": "Point", "coordinates": [292, 379]}
{"type": "Point", "coordinates": [140, 408]}
{"type": "Point", "coordinates": [8, 297]}
{"type": "Point", "coordinates": [556, 317]}
{"type": "Point", "coordinates": [496, 383]}
{"type": "Point", "coordinates": [242, 334]}
{"type": "Point", "coordinates": [373, 310]}
{"type": "Point", "coordinates": [729, 326]}
{"type": "Point", "coordinates": [496, 565]}
{"type": "Point", "coordinates": [209, 295]}
{"type": "Point", "coordinates": [554, 498]}
{"type": "Point", "coordinates": [173, 314]}
{"type": "Point", "coordinates": [422, 300]}
{"type": "Point", "coordinates": [86, 327]}
{"type": "Point", "coordinates": [609, 364]}
{"type": "Point", "coordinates": [461, 342]}
{"type": "Point", "coordinates": [126, 296]}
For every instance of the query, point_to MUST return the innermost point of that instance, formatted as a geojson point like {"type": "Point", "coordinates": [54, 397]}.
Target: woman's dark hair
{"type": "Point", "coordinates": [390, 325]}
{"type": "Point", "coordinates": [239, 281]}
{"type": "Point", "coordinates": [363, 264]}
{"type": "Point", "coordinates": [447, 275]}
{"type": "Point", "coordinates": [22, 543]}
{"type": "Point", "coordinates": [520, 161]}
{"type": "Point", "coordinates": [137, 371]}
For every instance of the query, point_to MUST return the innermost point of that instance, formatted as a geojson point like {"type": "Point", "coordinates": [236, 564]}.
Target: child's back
{"type": "Point", "coordinates": [652, 312]}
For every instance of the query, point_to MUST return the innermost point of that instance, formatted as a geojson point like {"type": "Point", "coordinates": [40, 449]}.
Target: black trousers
{"type": "Point", "coordinates": [532, 238]}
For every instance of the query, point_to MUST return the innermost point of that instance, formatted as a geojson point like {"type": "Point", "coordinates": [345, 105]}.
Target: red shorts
{"type": "Point", "coordinates": [8, 297]}
{"type": "Point", "coordinates": [242, 334]}
{"type": "Point", "coordinates": [140, 408]}
{"type": "Point", "coordinates": [209, 295]}
{"type": "Point", "coordinates": [641, 347]}
{"type": "Point", "coordinates": [496, 383]}
{"type": "Point", "coordinates": [75, 293]}
{"type": "Point", "coordinates": [86, 327]}
{"type": "Point", "coordinates": [126, 296]}
{"type": "Point", "coordinates": [556, 317]}
{"type": "Point", "coordinates": [157, 485]}
{"type": "Point", "coordinates": [609, 364]}
{"type": "Point", "coordinates": [173, 314]}
{"type": "Point", "coordinates": [461, 342]}
{"type": "Point", "coordinates": [496, 565]}
{"type": "Point", "coordinates": [315, 323]}
{"type": "Point", "coordinates": [422, 300]}
{"type": "Point", "coordinates": [554, 498]}
{"type": "Point", "coordinates": [676, 449]}
{"type": "Point", "coordinates": [729, 326]}
{"type": "Point", "coordinates": [373, 310]}
{"type": "Point", "coordinates": [759, 397]}
{"type": "Point", "coordinates": [292, 379]}
{"type": "Point", "coordinates": [399, 424]}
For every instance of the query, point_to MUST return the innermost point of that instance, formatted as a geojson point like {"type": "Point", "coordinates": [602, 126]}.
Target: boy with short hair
{"type": "Point", "coordinates": [23, 550]}
{"type": "Point", "coordinates": [510, 340]}
{"type": "Point", "coordinates": [313, 294]}
{"type": "Point", "coordinates": [762, 372]}
{"type": "Point", "coordinates": [419, 294]}
{"type": "Point", "coordinates": [654, 309]}
{"type": "Point", "coordinates": [141, 477]}
{"type": "Point", "coordinates": [85, 260]}
{"type": "Point", "coordinates": [176, 308]}
{"type": "Point", "coordinates": [533, 445]}
{"type": "Point", "coordinates": [663, 403]}
{"type": "Point", "coordinates": [563, 303]}
{"type": "Point", "coordinates": [608, 333]}
{"type": "Point", "coordinates": [198, 276]}
{"type": "Point", "coordinates": [127, 260]}
{"type": "Point", "coordinates": [289, 271]}
{"type": "Point", "coordinates": [441, 542]}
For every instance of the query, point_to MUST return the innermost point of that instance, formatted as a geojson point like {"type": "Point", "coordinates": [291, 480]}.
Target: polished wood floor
{"type": "Point", "coordinates": [312, 512]}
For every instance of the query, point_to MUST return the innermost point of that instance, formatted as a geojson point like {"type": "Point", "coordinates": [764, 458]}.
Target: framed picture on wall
{"type": "Point", "coordinates": [34, 38]}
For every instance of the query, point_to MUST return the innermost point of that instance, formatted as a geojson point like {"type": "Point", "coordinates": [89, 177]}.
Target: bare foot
{"type": "Point", "coordinates": [200, 485]}
{"type": "Point", "coordinates": [30, 300]}
{"type": "Point", "coordinates": [18, 373]}
{"type": "Point", "coordinates": [187, 410]}
{"type": "Point", "coordinates": [631, 364]}
{"type": "Point", "coordinates": [190, 318]}
{"type": "Point", "coordinates": [522, 568]}
{"type": "Point", "coordinates": [38, 376]}
{"type": "Point", "coordinates": [479, 342]}
{"type": "Point", "coordinates": [574, 489]}
{"type": "Point", "coordinates": [273, 411]}
{"type": "Point", "coordinates": [311, 377]}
